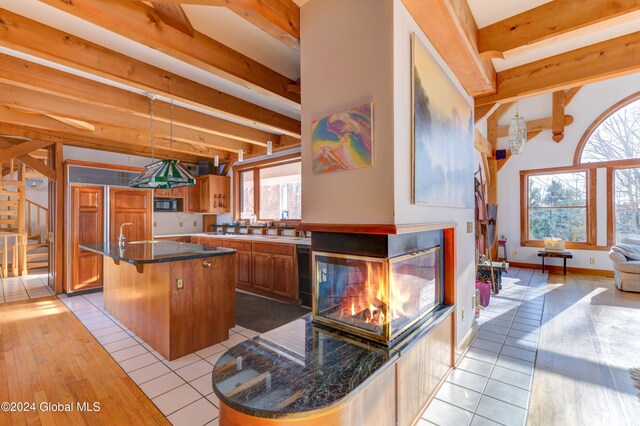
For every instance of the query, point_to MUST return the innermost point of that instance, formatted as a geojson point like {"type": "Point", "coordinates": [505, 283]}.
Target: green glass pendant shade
{"type": "Point", "coordinates": [163, 174]}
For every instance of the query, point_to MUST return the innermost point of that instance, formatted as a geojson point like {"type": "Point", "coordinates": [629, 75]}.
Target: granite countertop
{"type": "Point", "coordinates": [158, 252]}
{"type": "Point", "coordinates": [301, 369]}
{"type": "Point", "coordinates": [242, 237]}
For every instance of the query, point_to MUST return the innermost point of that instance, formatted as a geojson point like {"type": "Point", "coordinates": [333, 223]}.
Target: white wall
{"type": "Point", "coordinates": [405, 212]}
{"type": "Point", "coordinates": [346, 61]}
{"type": "Point", "coordinates": [542, 152]}
{"type": "Point", "coordinates": [164, 223]}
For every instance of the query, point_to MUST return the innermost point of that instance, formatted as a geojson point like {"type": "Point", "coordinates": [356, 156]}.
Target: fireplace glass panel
{"type": "Point", "coordinates": [376, 298]}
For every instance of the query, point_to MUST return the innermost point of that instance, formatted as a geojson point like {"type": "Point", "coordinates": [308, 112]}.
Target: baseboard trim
{"type": "Point", "coordinates": [464, 345]}
{"type": "Point", "coordinates": [557, 269]}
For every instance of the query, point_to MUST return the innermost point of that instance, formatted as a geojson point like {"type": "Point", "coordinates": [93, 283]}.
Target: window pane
{"type": "Point", "coordinates": [570, 224]}
{"type": "Point", "coordinates": [281, 192]}
{"type": "Point", "coordinates": [617, 138]}
{"type": "Point", "coordinates": [246, 191]}
{"type": "Point", "coordinates": [558, 190]}
{"type": "Point", "coordinates": [627, 203]}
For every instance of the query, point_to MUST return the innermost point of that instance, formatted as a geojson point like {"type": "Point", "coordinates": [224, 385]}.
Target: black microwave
{"type": "Point", "coordinates": [165, 205]}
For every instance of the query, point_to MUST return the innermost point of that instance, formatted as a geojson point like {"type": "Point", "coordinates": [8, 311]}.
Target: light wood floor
{"type": "Point", "coordinates": [46, 355]}
{"type": "Point", "coordinates": [590, 337]}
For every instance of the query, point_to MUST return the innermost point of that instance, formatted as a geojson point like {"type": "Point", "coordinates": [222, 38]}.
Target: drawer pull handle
{"type": "Point", "coordinates": [206, 264]}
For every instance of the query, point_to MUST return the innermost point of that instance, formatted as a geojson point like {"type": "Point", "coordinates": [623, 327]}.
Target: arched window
{"type": "Point", "coordinates": [615, 135]}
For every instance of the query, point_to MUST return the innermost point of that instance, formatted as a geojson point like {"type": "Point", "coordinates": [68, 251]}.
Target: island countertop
{"type": "Point", "coordinates": [155, 252]}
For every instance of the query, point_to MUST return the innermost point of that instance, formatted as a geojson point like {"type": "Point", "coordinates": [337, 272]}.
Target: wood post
{"type": "Point", "coordinates": [22, 221]}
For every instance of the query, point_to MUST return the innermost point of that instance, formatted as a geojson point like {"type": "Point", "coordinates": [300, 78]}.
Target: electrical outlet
{"type": "Point", "coordinates": [180, 224]}
{"type": "Point", "coordinates": [195, 223]}
{"type": "Point", "coordinates": [462, 313]}
{"type": "Point", "coordinates": [179, 283]}
{"type": "Point", "coordinates": [469, 227]}
{"type": "Point", "coordinates": [515, 252]}
{"type": "Point", "coordinates": [592, 260]}
{"type": "Point", "coordinates": [155, 224]}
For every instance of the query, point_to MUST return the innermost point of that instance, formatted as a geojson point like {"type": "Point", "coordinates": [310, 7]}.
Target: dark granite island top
{"type": "Point", "coordinates": [138, 253]}
{"type": "Point", "coordinates": [301, 369]}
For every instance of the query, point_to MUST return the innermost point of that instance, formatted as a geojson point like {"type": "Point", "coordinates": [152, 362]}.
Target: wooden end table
{"type": "Point", "coordinates": [560, 254]}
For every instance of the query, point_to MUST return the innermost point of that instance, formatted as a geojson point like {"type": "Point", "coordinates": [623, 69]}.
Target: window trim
{"type": "Point", "coordinates": [257, 167]}
{"type": "Point", "coordinates": [591, 208]}
{"type": "Point", "coordinates": [611, 221]}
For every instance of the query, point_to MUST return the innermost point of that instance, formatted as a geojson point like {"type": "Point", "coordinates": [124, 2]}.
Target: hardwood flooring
{"type": "Point", "coordinates": [47, 356]}
{"type": "Point", "coordinates": [590, 337]}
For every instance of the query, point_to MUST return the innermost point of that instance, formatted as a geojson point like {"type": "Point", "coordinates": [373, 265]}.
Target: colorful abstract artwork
{"type": "Point", "coordinates": [343, 141]}
{"type": "Point", "coordinates": [442, 165]}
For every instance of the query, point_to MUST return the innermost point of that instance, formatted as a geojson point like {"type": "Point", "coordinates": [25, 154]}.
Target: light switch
{"type": "Point", "coordinates": [179, 283]}
{"type": "Point", "coordinates": [180, 224]}
{"type": "Point", "coordinates": [195, 223]}
{"type": "Point", "coordinates": [469, 227]}
{"type": "Point", "coordinates": [155, 224]}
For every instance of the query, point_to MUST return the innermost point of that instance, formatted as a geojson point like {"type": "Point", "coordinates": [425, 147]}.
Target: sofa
{"type": "Point", "coordinates": [626, 264]}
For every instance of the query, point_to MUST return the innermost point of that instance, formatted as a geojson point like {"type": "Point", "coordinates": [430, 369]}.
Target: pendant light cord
{"type": "Point", "coordinates": [171, 133]}
{"type": "Point", "coordinates": [151, 98]}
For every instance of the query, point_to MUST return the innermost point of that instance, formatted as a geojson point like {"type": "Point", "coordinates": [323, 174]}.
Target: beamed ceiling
{"type": "Point", "coordinates": [80, 72]}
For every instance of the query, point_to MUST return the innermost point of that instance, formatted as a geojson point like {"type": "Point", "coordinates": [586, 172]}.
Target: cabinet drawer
{"type": "Point", "coordinates": [208, 241]}
{"type": "Point", "coordinates": [238, 245]}
{"type": "Point", "coordinates": [284, 249]}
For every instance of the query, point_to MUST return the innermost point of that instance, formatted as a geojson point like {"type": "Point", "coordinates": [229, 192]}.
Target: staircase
{"type": "Point", "coordinates": [24, 225]}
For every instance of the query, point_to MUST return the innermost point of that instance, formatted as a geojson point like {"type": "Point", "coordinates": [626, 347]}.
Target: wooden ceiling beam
{"type": "Point", "coordinates": [548, 21]}
{"type": "Point", "coordinates": [537, 125]}
{"type": "Point", "coordinates": [141, 23]}
{"type": "Point", "coordinates": [608, 59]}
{"type": "Point", "coordinates": [71, 111]}
{"type": "Point", "coordinates": [278, 18]}
{"type": "Point", "coordinates": [451, 28]}
{"type": "Point", "coordinates": [22, 148]}
{"type": "Point", "coordinates": [103, 132]}
{"type": "Point", "coordinates": [482, 144]}
{"type": "Point", "coordinates": [98, 144]}
{"type": "Point", "coordinates": [557, 116]}
{"type": "Point", "coordinates": [31, 37]}
{"type": "Point", "coordinates": [20, 73]}
{"type": "Point", "coordinates": [482, 112]}
{"type": "Point", "coordinates": [29, 161]}
{"type": "Point", "coordinates": [173, 15]}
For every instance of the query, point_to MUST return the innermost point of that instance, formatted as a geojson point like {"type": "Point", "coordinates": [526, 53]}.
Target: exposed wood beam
{"type": "Point", "coordinates": [47, 81]}
{"type": "Point", "coordinates": [485, 165]}
{"type": "Point", "coordinates": [22, 99]}
{"type": "Point", "coordinates": [482, 144]}
{"type": "Point", "coordinates": [548, 21]}
{"type": "Point", "coordinates": [22, 149]}
{"type": "Point", "coordinates": [451, 28]}
{"type": "Point", "coordinates": [102, 132]}
{"type": "Point", "coordinates": [79, 124]}
{"type": "Point", "coordinates": [557, 116]}
{"type": "Point", "coordinates": [97, 144]}
{"type": "Point", "coordinates": [141, 23]}
{"type": "Point", "coordinates": [28, 36]}
{"type": "Point", "coordinates": [503, 109]}
{"type": "Point", "coordinates": [34, 163]}
{"type": "Point", "coordinates": [611, 58]}
{"type": "Point", "coordinates": [537, 125]}
{"type": "Point", "coordinates": [480, 113]}
{"type": "Point", "coordinates": [173, 15]}
{"type": "Point", "coordinates": [278, 18]}
{"type": "Point", "coordinates": [568, 97]}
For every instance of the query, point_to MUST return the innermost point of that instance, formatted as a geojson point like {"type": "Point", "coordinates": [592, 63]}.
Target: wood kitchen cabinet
{"type": "Point", "coordinates": [243, 262]}
{"type": "Point", "coordinates": [273, 269]}
{"type": "Point", "coordinates": [128, 205]}
{"type": "Point", "coordinates": [192, 198]}
{"type": "Point", "coordinates": [170, 193]}
{"type": "Point", "coordinates": [87, 226]}
{"type": "Point", "coordinates": [214, 194]}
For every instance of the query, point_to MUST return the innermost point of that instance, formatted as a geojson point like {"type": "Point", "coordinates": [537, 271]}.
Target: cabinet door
{"type": "Point", "coordinates": [204, 198]}
{"type": "Point", "coordinates": [192, 198]}
{"type": "Point", "coordinates": [87, 226]}
{"type": "Point", "coordinates": [243, 268]}
{"type": "Point", "coordinates": [261, 270]}
{"type": "Point", "coordinates": [283, 275]}
{"type": "Point", "coordinates": [130, 206]}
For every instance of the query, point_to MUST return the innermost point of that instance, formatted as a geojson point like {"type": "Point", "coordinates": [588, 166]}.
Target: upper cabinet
{"type": "Point", "coordinates": [214, 194]}
{"type": "Point", "coordinates": [170, 193]}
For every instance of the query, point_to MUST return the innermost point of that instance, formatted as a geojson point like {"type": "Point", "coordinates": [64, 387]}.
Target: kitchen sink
{"type": "Point", "coordinates": [146, 242]}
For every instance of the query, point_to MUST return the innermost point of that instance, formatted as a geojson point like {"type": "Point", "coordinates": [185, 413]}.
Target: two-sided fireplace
{"type": "Point", "coordinates": [376, 286]}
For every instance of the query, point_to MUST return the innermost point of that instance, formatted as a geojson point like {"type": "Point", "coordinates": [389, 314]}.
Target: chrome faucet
{"type": "Point", "coordinates": [121, 238]}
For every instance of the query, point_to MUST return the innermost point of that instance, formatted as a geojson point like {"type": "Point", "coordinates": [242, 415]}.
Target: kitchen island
{"type": "Point", "coordinates": [179, 298]}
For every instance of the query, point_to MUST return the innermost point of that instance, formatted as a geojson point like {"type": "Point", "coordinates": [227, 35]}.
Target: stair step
{"type": "Point", "coordinates": [6, 193]}
{"type": "Point", "coordinates": [8, 221]}
{"type": "Point", "coordinates": [8, 229]}
{"type": "Point", "coordinates": [36, 246]}
{"type": "Point", "coordinates": [33, 237]}
{"type": "Point", "coordinates": [38, 256]}
{"type": "Point", "coordinates": [10, 203]}
{"type": "Point", "coordinates": [37, 265]}
{"type": "Point", "coordinates": [8, 182]}
{"type": "Point", "coordinates": [8, 213]}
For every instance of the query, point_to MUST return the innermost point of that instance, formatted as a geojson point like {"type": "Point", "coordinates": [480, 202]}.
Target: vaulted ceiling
{"type": "Point", "coordinates": [81, 71]}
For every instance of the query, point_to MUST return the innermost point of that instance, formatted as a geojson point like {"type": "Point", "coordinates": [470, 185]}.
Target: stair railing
{"type": "Point", "coordinates": [5, 249]}
{"type": "Point", "coordinates": [37, 216]}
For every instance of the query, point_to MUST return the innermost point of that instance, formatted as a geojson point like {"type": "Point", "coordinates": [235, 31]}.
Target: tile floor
{"type": "Point", "coordinates": [28, 287]}
{"type": "Point", "coordinates": [181, 389]}
{"type": "Point", "coordinates": [492, 383]}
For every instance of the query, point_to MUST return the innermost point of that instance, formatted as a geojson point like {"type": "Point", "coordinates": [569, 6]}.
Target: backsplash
{"type": "Point", "coordinates": [169, 223]}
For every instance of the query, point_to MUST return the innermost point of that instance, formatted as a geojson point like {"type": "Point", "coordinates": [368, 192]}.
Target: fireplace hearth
{"type": "Point", "coordinates": [376, 286]}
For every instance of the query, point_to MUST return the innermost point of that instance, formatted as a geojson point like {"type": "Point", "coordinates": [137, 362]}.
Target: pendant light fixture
{"type": "Point", "coordinates": [269, 146]}
{"type": "Point", "coordinates": [517, 134]}
{"type": "Point", "coordinates": [240, 156]}
{"type": "Point", "coordinates": [216, 161]}
{"type": "Point", "coordinates": [162, 174]}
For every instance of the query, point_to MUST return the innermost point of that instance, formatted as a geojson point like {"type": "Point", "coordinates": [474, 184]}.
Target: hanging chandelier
{"type": "Point", "coordinates": [162, 174]}
{"type": "Point", "coordinates": [517, 134]}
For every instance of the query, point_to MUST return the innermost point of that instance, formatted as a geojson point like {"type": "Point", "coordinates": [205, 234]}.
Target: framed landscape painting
{"type": "Point", "coordinates": [343, 141]}
{"type": "Point", "coordinates": [442, 146]}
